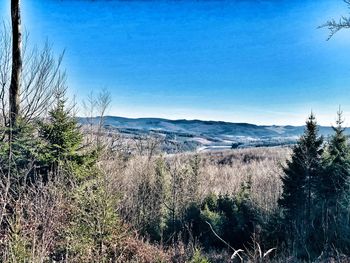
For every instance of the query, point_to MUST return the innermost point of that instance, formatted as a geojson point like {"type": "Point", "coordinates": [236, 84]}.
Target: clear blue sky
{"type": "Point", "coordinates": [261, 62]}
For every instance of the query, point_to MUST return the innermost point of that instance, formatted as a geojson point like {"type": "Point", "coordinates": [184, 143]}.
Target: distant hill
{"type": "Point", "coordinates": [207, 133]}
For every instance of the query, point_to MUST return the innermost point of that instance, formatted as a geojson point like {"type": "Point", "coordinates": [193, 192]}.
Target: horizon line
{"type": "Point", "coordinates": [209, 120]}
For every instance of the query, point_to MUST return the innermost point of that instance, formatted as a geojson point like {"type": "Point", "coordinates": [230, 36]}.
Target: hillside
{"type": "Point", "coordinates": [206, 134]}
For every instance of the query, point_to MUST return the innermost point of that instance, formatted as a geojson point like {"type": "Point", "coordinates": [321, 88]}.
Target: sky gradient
{"type": "Point", "coordinates": [262, 62]}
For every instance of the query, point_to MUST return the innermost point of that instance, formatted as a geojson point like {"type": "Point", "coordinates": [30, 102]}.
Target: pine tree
{"type": "Point", "coordinates": [20, 157]}
{"type": "Point", "coordinates": [299, 181]}
{"type": "Point", "coordinates": [335, 182]}
{"type": "Point", "coordinates": [64, 141]}
{"type": "Point", "coordinates": [333, 189]}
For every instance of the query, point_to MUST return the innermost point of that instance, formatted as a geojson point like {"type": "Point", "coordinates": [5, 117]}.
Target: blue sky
{"type": "Point", "coordinates": [262, 62]}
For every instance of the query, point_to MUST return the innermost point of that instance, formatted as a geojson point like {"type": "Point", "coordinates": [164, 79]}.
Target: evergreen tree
{"type": "Point", "coordinates": [334, 184]}
{"type": "Point", "coordinates": [19, 156]}
{"type": "Point", "coordinates": [94, 228]}
{"type": "Point", "coordinates": [64, 141]}
{"type": "Point", "coordinates": [333, 189]}
{"type": "Point", "coordinates": [299, 182]}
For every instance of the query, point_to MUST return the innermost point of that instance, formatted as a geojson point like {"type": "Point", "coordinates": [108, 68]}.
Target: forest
{"type": "Point", "coordinates": [74, 193]}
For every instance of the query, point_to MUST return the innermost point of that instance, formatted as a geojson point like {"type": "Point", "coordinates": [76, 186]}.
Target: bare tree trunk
{"type": "Point", "coordinates": [16, 61]}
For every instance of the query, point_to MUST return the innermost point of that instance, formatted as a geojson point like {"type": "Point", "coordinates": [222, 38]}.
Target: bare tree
{"type": "Point", "coordinates": [96, 107]}
{"type": "Point", "coordinates": [5, 71]}
{"type": "Point", "coordinates": [103, 102]}
{"type": "Point", "coordinates": [335, 26]}
{"type": "Point", "coordinates": [148, 145]}
{"type": "Point", "coordinates": [41, 77]}
{"type": "Point", "coordinates": [16, 61]}
{"type": "Point", "coordinates": [89, 107]}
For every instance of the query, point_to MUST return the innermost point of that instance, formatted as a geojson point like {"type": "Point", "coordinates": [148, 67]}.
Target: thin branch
{"type": "Point", "coordinates": [236, 252]}
{"type": "Point", "coordinates": [333, 26]}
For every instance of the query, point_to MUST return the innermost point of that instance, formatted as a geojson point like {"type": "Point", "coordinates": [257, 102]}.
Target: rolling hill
{"type": "Point", "coordinates": [206, 134]}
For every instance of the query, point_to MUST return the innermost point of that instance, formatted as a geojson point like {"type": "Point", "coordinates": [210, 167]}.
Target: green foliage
{"type": "Point", "coordinates": [301, 173]}
{"type": "Point", "coordinates": [230, 216]}
{"type": "Point", "coordinates": [244, 193]}
{"type": "Point", "coordinates": [315, 198]}
{"type": "Point", "coordinates": [150, 194]}
{"type": "Point", "coordinates": [156, 225]}
{"type": "Point", "coordinates": [182, 199]}
{"type": "Point", "coordinates": [39, 149]}
{"type": "Point", "coordinates": [64, 143]}
{"type": "Point", "coordinates": [240, 219]}
{"type": "Point", "coordinates": [194, 177]}
{"type": "Point", "coordinates": [335, 180]}
{"type": "Point", "coordinates": [300, 181]}
{"type": "Point", "coordinates": [94, 226]}
{"type": "Point", "coordinates": [198, 257]}
{"type": "Point", "coordinates": [18, 245]}
{"type": "Point", "coordinates": [333, 191]}
{"type": "Point", "coordinates": [21, 152]}
{"type": "Point", "coordinates": [62, 133]}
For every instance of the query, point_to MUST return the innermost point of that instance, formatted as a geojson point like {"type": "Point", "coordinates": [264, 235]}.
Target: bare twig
{"type": "Point", "coordinates": [236, 252]}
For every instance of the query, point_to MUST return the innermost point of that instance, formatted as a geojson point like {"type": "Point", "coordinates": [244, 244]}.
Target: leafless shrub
{"type": "Point", "coordinates": [137, 250]}
{"type": "Point", "coordinates": [32, 225]}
